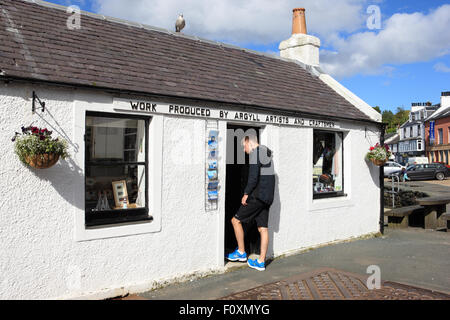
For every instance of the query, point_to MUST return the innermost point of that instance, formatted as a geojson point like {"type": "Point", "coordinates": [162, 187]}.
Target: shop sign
{"type": "Point", "coordinates": [141, 106]}
{"type": "Point", "coordinates": [432, 130]}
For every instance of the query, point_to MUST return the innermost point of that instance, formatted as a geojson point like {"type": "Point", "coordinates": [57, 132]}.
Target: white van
{"type": "Point", "coordinates": [417, 160]}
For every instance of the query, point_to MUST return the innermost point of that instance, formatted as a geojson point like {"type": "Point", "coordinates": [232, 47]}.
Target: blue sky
{"type": "Point", "coordinates": [408, 60]}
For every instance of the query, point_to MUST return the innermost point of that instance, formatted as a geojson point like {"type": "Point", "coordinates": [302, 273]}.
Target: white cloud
{"type": "Point", "coordinates": [341, 25]}
{"type": "Point", "coordinates": [241, 22]}
{"type": "Point", "coordinates": [441, 67]}
{"type": "Point", "coordinates": [405, 38]}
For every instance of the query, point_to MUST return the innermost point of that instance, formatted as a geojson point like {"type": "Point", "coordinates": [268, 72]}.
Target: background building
{"type": "Point", "coordinates": [437, 132]}
{"type": "Point", "coordinates": [392, 139]}
{"type": "Point", "coordinates": [412, 132]}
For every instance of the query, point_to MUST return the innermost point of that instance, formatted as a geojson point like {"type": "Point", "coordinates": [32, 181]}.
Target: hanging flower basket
{"type": "Point", "coordinates": [36, 148]}
{"type": "Point", "coordinates": [42, 161]}
{"type": "Point", "coordinates": [378, 154]}
{"type": "Point", "coordinates": [378, 162]}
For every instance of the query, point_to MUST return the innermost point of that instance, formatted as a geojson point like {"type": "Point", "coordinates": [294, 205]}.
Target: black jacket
{"type": "Point", "coordinates": [261, 176]}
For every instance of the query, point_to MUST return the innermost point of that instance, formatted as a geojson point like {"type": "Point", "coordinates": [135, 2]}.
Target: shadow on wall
{"type": "Point", "coordinates": [58, 129]}
{"type": "Point", "coordinates": [274, 220]}
{"type": "Point", "coordinates": [374, 172]}
{"type": "Point", "coordinates": [63, 176]}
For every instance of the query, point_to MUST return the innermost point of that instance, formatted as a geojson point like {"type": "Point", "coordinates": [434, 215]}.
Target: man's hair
{"type": "Point", "coordinates": [251, 138]}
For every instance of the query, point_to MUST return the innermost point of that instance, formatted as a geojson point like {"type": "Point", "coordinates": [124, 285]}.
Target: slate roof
{"type": "Point", "coordinates": [410, 123]}
{"type": "Point", "coordinates": [439, 114]}
{"type": "Point", "coordinates": [120, 55]}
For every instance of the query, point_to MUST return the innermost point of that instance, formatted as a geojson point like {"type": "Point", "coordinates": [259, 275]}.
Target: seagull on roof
{"type": "Point", "coordinates": [180, 23]}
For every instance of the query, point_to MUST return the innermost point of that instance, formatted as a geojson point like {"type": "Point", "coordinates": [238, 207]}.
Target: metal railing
{"type": "Point", "coordinates": [395, 180]}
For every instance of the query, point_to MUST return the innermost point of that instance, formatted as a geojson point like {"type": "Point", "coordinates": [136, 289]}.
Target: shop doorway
{"type": "Point", "coordinates": [236, 180]}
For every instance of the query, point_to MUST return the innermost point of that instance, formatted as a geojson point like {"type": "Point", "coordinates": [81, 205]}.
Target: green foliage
{"type": "Point", "coordinates": [391, 130]}
{"type": "Point", "coordinates": [394, 120]}
{"type": "Point", "coordinates": [34, 141]}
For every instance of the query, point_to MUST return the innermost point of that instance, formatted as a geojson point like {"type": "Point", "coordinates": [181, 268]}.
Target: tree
{"type": "Point", "coordinates": [392, 120]}
{"type": "Point", "coordinates": [401, 116]}
{"type": "Point", "coordinates": [377, 108]}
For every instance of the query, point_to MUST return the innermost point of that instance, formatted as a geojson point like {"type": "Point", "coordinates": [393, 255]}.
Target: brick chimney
{"type": "Point", "coordinates": [300, 46]}
{"type": "Point", "coordinates": [445, 99]}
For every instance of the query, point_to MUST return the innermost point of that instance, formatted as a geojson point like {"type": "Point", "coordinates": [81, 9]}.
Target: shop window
{"type": "Point", "coordinates": [328, 164]}
{"type": "Point", "coordinates": [441, 136]}
{"type": "Point", "coordinates": [116, 172]}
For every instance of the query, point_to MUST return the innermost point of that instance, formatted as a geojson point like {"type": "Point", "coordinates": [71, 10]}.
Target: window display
{"type": "Point", "coordinates": [116, 167]}
{"type": "Point", "coordinates": [327, 163]}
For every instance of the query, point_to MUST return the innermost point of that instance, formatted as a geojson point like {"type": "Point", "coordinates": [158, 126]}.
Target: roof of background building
{"type": "Point", "coordinates": [391, 138]}
{"type": "Point", "coordinates": [410, 123]}
{"type": "Point", "coordinates": [116, 54]}
{"type": "Point", "coordinates": [439, 114]}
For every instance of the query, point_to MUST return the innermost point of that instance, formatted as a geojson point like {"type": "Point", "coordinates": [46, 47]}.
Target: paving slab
{"type": "Point", "coordinates": [413, 256]}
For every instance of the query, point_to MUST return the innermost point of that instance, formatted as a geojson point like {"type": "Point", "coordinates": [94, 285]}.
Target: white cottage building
{"type": "Point", "coordinates": [146, 195]}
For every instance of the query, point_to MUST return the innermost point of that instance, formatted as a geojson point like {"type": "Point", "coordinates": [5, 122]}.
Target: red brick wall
{"type": "Point", "coordinates": [444, 124]}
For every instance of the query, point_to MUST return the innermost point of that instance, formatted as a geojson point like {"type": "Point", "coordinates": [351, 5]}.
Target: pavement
{"type": "Point", "coordinates": [412, 256]}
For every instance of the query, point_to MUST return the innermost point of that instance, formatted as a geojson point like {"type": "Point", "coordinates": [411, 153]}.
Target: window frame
{"type": "Point", "coordinates": [118, 217]}
{"type": "Point", "coordinates": [332, 194]}
{"type": "Point", "coordinates": [441, 135]}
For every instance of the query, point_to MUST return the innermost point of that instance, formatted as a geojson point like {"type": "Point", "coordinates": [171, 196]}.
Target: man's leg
{"type": "Point", "coordinates": [264, 233]}
{"type": "Point", "coordinates": [239, 233]}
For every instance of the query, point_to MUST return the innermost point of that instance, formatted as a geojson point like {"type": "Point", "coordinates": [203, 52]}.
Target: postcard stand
{"type": "Point", "coordinates": [211, 165]}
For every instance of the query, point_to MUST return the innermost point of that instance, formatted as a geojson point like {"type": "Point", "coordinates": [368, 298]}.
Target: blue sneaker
{"type": "Point", "coordinates": [260, 266]}
{"type": "Point", "coordinates": [236, 256]}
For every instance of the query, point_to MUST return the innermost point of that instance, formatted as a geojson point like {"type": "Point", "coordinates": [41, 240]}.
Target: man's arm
{"type": "Point", "coordinates": [253, 173]}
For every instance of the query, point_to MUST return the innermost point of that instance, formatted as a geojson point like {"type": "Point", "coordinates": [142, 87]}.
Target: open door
{"type": "Point", "coordinates": [236, 180]}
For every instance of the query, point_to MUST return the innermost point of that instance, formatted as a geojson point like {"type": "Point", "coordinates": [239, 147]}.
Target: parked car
{"type": "Point", "coordinates": [417, 160]}
{"type": "Point", "coordinates": [391, 167]}
{"type": "Point", "coordinates": [426, 172]}
{"type": "Point", "coordinates": [447, 165]}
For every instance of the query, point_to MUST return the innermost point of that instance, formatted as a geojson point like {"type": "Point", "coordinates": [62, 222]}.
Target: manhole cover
{"type": "Point", "coordinates": [330, 284]}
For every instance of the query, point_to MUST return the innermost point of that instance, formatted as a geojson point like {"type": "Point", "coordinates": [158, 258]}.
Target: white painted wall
{"type": "Point", "coordinates": [46, 255]}
{"type": "Point", "coordinates": [445, 101]}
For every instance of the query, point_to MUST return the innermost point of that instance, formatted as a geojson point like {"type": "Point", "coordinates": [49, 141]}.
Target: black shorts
{"type": "Point", "coordinates": [255, 209]}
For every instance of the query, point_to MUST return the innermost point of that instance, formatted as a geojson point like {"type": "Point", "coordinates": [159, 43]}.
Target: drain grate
{"type": "Point", "coordinates": [331, 284]}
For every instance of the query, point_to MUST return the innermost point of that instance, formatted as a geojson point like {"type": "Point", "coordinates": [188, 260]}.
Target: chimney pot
{"type": "Point", "coordinates": [300, 46]}
{"type": "Point", "coordinates": [299, 21]}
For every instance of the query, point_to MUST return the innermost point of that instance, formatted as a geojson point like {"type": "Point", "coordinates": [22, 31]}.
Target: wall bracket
{"type": "Point", "coordinates": [42, 104]}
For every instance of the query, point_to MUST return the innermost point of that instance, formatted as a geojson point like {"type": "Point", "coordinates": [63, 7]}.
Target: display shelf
{"type": "Point", "coordinates": [211, 205]}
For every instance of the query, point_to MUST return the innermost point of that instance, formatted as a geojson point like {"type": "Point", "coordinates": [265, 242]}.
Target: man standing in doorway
{"type": "Point", "coordinates": [255, 204]}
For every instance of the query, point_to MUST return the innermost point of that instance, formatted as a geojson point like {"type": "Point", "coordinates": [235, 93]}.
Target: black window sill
{"type": "Point", "coordinates": [111, 217]}
{"type": "Point", "coordinates": [329, 195]}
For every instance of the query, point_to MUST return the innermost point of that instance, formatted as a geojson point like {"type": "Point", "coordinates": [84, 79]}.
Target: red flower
{"type": "Point", "coordinates": [371, 148]}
